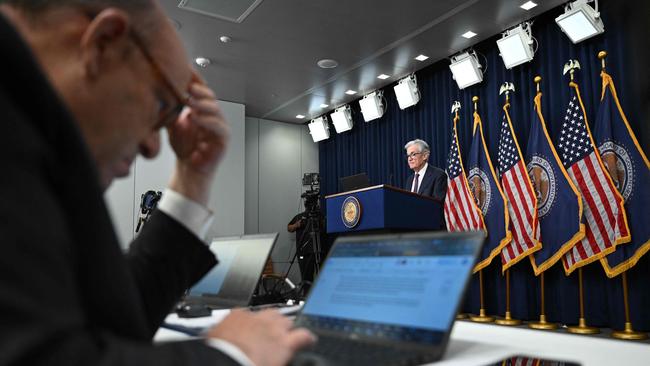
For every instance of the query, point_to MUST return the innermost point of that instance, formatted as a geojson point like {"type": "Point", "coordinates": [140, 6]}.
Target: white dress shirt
{"type": "Point", "coordinates": [421, 173]}
{"type": "Point", "coordinates": [198, 219]}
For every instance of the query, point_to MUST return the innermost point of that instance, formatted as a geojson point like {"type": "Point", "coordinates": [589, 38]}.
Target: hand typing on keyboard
{"type": "Point", "coordinates": [266, 337]}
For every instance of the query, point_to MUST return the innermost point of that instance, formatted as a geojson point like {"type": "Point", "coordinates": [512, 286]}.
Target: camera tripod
{"type": "Point", "coordinates": [311, 236]}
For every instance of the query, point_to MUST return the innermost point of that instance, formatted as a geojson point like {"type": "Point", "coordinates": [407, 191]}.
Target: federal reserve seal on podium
{"type": "Point", "coordinates": [351, 212]}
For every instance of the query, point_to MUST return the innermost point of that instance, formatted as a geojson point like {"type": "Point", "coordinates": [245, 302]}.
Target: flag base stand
{"type": "Point", "coordinates": [628, 334]}
{"type": "Point", "coordinates": [583, 328]}
{"type": "Point", "coordinates": [542, 324]}
{"type": "Point", "coordinates": [508, 319]}
{"type": "Point", "coordinates": [461, 316]}
{"type": "Point", "coordinates": [482, 317]}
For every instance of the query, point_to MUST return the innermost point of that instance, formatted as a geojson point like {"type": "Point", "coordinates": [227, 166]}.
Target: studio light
{"type": "Point", "coordinates": [516, 46]}
{"type": "Point", "coordinates": [580, 21]}
{"type": "Point", "coordinates": [466, 69]}
{"type": "Point", "coordinates": [372, 106]}
{"type": "Point", "coordinates": [407, 92]}
{"type": "Point", "coordinates": [342, 119]}
{"type": "Point", "coordinates": [318, 129]}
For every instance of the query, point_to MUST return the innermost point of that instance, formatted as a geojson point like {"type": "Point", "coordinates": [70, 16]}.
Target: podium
{"type": "Point", "coordinates": [382, 208]}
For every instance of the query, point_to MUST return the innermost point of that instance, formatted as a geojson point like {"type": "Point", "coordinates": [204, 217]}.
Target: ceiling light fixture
{"type": "Point", "coordinates": [383, 76]}
{"type": "Point", "coordinates": [327, 63]}
{"type": "Point", "coordinates": [516, 45]}
{"type": "Point", "coordinates": [466, 69]}
{"type": "Point", "coordinates": [324, 105]}
{"type": "Point", "coordinates": [422, 58]}
{"type": "Point", "coordinates": [342, 119]}
{"type": "Point", "coordinates": [300, 116]}
{"type": "Point", "coordinates": [528, 5]}
{"type": "Point", "coordinates": [372, 106]}
{"type": "Point", "coordinates": [469, 34]}
{"type": "Point", "coordinates": [225, 39]}
{"type": "Point", "coordinates": [351, 92]}
{"type": "Point", "coordinates": [407, 92]}
{"type": "Point", "coordinates": [319, 129]}
{"type": "Point", "coordinates": [580, 21]}
{"type": "Point", "coordinates": [203, 62]}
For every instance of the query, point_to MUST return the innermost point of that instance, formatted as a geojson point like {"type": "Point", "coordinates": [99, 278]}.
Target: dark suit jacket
{"type": "Point", "coordinates": [68, 295]}
{"type": "Point", "coordinates": [433, 184]}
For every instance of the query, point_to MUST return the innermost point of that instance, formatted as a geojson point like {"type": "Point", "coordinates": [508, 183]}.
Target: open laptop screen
{"type": "Point", "coordinates": [241, 262]}
{"type": "Point", "coordinates": [401, 288]}
{"type": "Point", "coordinates": [353, 182]}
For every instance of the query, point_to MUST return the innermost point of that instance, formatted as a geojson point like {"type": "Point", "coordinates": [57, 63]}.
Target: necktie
{"type": "Point", "coordinates": [415, 183]}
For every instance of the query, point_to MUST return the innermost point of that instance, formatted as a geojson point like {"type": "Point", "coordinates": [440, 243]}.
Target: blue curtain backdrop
{"type": "Point", "coordinates": [377, 149]}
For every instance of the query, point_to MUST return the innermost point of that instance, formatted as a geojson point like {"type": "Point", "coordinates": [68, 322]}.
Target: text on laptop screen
{"type": "Point", "coordinates": [413, 285]}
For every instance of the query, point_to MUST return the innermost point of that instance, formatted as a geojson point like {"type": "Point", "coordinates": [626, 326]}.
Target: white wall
{"type": "Point", "coordinates": [227, 197]}
{"type": "Point", "coordinates": [257, 188]}
{"type": "Point", "coordinates": [277, 155]}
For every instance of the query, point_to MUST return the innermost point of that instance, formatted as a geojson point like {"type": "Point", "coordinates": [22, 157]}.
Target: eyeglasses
{"type": "Point", "coordinates": [166, 116]}
{"type": "Point", "coordinates": [412, 155]}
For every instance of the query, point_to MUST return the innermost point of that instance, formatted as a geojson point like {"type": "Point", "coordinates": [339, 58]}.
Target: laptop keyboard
{"type": "Point", "coordinates": [343, 351]}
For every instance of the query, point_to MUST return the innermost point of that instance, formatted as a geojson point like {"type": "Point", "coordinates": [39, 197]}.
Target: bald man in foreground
{"type": "Point", "coordinates": [86, 87]}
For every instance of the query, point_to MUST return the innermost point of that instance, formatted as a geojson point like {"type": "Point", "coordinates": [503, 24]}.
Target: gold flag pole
{"type": "Point", "coordinates": [582, 327]}
{"type": "Point", "coordinates": [542, 324]}
{"type": "Point", "coordinates": [628, 333]}
{"type": "Point", "coordinates": [482, 317]}
{"type": "Point", "coordinates": [454, 109]}
{"type": "Point", "coordinates": [508, 320]}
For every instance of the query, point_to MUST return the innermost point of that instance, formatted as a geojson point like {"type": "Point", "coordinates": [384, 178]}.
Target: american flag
{"type": "Point", "coordinates": [522, 202]}
{"type": "Point", "coordinates": [524, 361]}
{"type": "Point", "coordinates": [461, 213]}
{"type": "Point", "coordinates": [603, 206]}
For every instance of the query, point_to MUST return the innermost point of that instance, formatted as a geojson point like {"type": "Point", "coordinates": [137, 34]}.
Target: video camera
{"type": "Point", "coordinates": [312, 195]}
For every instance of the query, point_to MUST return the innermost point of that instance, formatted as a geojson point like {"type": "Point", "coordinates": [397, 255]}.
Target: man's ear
{"type": "Point", "coordinates": [105, 40]}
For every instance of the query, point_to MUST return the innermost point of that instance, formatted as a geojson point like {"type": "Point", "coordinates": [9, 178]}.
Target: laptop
{"type": "Point", "coordinates": [232, 282]}
{"type": "Point", "coordinates": [388, 299]}
{"type": "Point", "coordinates": [352, 182]}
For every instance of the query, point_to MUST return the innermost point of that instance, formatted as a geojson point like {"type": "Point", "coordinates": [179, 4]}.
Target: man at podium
{"type": "Point", "coordinates": [426, 179]}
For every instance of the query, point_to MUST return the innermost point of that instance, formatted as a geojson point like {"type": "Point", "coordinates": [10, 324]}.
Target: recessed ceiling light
{"type": "Point", "coordinates": [422, 58]}
{"type": "Point", "coordinates": [469, 34]}
{"type": "Point", "coordinates": [324, 105]}
{"type": "Point", "coordinates": [225, 39]}
{"type": "Point", "coordinates": [383, 76]}
{"type": "Point", "coordinates": [528, 5]}
{"type": "Point", "coordinates": [300, 116]}
{"type": "Point", "coordinates": [351, 92]}
{"type": "Point", "coordinates": [327, 63]}
{"type": "Point", "coordinates": [203, 61]}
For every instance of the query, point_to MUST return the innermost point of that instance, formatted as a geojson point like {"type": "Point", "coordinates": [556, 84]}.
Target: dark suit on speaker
{"type": "Point", "coordinates": [433, 184]}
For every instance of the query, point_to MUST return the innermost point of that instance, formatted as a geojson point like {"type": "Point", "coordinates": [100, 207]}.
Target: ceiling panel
{"type": "Point", "coordinates": [270, 64]}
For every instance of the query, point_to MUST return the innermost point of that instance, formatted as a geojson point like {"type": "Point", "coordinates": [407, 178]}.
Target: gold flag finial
{"type": "Point", "coordinates": [602, 55]}
{"type": "Point", "coordinates": [455, 108]}
{"type": "Point", "coordinates": [571, 68]}
{"type": "Point", "coordinates": [475, 100]}
{"type": "Point", "coordinates": [507, 88]}
{"type": "Point", "coordinates": [538, 80]}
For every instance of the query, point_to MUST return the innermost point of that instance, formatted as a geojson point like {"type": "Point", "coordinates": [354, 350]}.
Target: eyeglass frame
{"type": "Point", "coordinates": [414, 154]}
{"type": "Point", "coordinates": [181, 100]}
